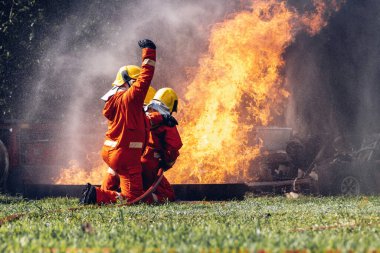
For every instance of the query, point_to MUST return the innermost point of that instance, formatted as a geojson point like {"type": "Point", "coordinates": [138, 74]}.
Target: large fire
{"type": "Point", "coordinates": [237, 87]}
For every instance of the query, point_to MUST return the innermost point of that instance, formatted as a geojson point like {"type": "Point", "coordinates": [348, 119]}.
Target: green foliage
{"type": "Point", "coordinates": [270, 223]}
{"type": "Point", "coordinates": [33, 33]}
{"type": "Point", "coordinates": [19, 20]}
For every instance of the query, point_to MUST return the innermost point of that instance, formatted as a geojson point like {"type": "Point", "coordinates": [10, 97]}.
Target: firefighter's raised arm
{"type": "Point", "coordinates": [140, 87]}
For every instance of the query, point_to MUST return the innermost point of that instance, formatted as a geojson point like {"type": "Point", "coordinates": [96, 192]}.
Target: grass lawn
{"type": "Point", "coordinates": [257, 223]}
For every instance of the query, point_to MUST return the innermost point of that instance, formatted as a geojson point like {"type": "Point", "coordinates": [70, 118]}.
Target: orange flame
{"type": "Point", "coordinates": [75, 174]}
{"type": "Point", "coordinates": [314, 21]}
{"type": "Point", "coordinates": [237, 87]}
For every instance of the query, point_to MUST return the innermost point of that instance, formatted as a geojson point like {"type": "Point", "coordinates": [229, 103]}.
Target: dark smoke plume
{"type": "Point", "coordinates": [334, 76]}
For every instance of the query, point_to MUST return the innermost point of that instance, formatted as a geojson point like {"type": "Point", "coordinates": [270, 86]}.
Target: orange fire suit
{"type": "Point", "coordinates": [126, 135]}
{"type": "Point", "coordinates": [163, 144]}
{"type": "Point", "coordinates": [162, 148]}
{"type": "Point", "coordinates": [112, 181]}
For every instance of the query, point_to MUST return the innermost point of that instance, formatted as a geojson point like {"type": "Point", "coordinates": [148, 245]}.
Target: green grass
{"type": "Point", "coordinates": [269, 223]}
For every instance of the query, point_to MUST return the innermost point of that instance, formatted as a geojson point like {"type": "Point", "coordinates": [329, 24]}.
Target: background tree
{"type": "Point", "coordinates": [24, 24]}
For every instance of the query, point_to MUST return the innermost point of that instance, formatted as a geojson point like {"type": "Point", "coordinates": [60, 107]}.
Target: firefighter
{"type": "Point", "coordinates": [111, 180]}
{"type": "Point", "coordinates": [126, 135]}
{"type": "Point", "coordinates": [163, 145]}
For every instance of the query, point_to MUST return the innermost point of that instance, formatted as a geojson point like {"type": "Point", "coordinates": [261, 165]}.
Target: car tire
{"type": "Point", "coordinates": [4, 165]}
{"type": "Point", "coordinates": [349, 185]}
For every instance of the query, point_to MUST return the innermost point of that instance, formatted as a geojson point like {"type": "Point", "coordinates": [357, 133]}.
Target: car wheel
{"type": "Point", "coordinates": [4, 164]}
{"type": "Point", "coordinates": [349, 185]}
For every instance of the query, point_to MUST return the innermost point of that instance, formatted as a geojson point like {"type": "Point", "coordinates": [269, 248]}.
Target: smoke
{"type": "Point", "coordinates": [334, 76]}
{"type": "Point", "coordinates": [94, 39]}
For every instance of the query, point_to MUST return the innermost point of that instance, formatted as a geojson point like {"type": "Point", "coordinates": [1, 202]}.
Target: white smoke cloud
{"type": "Point", "coordinates": [94, 40]}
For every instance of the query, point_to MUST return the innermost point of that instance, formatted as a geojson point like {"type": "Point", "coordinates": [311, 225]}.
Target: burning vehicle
{"type": "Point", "coordinates": [284, 161]}
{"type": "Point", "coordinates": [351, 171]}
{"type": "Point", "coordinates": [319, 165]}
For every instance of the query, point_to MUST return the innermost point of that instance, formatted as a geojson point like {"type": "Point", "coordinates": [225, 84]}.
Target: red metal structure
{"type": "Point", "coordinates": [34, 152]}
{"type": "Point", "coordinates": [28, 147]}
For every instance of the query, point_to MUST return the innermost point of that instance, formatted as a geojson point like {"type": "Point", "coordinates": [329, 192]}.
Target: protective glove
{"type": "Point", "coordinates": [147, 44]}
{"type": "Point", "coordinates": [169, 120]}
{"type": "Point", "coordinates": [164, 165]}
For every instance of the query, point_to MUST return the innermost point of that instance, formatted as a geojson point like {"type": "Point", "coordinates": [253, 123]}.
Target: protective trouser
{"type": "Point", "coordinates": [125, 161]}
{"type": "Point", "coordinates": [150, 166]}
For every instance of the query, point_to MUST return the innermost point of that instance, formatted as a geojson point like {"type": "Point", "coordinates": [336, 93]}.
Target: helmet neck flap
{"type": "Point", "coordinates": [158, 106]}
{"type": "Point", "coordinates": [112, 92]}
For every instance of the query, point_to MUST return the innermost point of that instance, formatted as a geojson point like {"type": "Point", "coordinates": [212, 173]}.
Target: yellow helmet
{"type": "Point", "coordinates": [149, 96]}
{"type": "Point", "coordinates": [125, 74]}
{"type": "Point", "coordinates": [168, 97]}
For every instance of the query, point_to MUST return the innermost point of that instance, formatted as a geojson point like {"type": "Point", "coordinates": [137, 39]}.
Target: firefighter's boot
{"type": "Point", "coordinates": [88, 195]}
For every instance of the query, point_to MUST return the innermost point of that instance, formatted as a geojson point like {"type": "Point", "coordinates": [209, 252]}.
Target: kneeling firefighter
{"type": "Point", "coordinates": [111, 180]}
{"type": "Point", "coordinates": [163, 145]}
{"type": "Point", "coordinates": [126, 135]}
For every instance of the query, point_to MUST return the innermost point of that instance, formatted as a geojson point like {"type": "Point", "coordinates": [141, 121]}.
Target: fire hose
{"type": "Point", "coordinates": [150, 190]}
